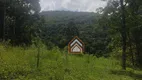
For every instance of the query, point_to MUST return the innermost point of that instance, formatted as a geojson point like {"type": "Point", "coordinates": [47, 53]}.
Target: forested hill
{"type": "Point", "coordinates": [61, 26]}
{"type": "Point", "coordinates": [64, 17]}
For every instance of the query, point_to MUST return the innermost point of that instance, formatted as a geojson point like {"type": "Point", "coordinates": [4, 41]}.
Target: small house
{"type": "Point", "coordinates": [76, 46]}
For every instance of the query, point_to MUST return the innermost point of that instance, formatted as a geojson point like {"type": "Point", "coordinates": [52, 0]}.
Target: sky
{"type": "Point", "coordinates": [71, 5]}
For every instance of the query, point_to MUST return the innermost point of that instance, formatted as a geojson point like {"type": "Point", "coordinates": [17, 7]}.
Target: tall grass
{"type": "Point", "coordinates": [20, 64]}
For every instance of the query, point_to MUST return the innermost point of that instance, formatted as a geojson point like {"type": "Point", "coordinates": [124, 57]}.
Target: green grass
{"type": "Point", "coordinates": [20, 64]}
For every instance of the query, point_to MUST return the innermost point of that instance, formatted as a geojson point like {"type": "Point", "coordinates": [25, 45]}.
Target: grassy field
{"type": "Point", "coordinates": [21, 64]}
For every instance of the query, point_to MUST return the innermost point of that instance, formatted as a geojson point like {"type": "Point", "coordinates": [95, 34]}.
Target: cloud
{"type": "Point", "coordinates": [71, 5]}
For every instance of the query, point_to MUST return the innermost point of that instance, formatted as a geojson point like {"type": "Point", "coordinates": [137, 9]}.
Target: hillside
{"type": "Point", "coordinates": [61, 26]}
{"type": "Point", "coordinates": [65, 16]}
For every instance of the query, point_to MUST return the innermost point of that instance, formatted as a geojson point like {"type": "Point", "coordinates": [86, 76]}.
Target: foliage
{"type": "Point", "coordinates": [112, 18]}
{"type": "Point", "coordinates": [61, 26]}
{"type": "Point", "coordinates": [20, 17]}
{"type": "Point", "coordinates": [18, 63]}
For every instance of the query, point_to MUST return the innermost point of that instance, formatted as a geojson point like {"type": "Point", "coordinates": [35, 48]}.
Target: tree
{"type": "Point", "coordinates": [129, 15]}
{"type": "Point", "coordinates": [123, 34]}
{"type": "Point", "coordinates": [19, 20]}
{"type": "Point", "coordinates": [61, 26]}
{"type": "Point", "coordinates": [2, 12]}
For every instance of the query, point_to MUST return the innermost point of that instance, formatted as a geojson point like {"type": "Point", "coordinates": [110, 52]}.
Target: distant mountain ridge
{"type": "Point", "coordinates": [66, 16]}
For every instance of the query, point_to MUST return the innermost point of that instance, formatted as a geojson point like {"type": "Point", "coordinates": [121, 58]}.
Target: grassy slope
{"type": "Point", "coordinates": [18, 63]}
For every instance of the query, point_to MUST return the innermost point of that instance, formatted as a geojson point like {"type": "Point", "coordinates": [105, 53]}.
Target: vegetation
{"type": "Point", "coordinates": [129, 35]}
{"type": "Point", "coordinates": [20, 64]}
{"type": "Point", "coordinates": [62, 26]}
{"type": "Point", "coordinates": [19, 20]}
{"type": "Point", "coordinates": [33, 43]}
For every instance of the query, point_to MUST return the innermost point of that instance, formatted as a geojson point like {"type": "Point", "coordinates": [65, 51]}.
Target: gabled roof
{"type": "Point", "coordinates": [76, 40]}
{"type": "Point", "coordinates": [76, 43]}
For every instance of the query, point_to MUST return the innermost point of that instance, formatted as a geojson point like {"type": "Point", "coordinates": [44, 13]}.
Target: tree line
{"type": "Point", "coordinates": [18, 20]}
{"type": "Point", "coordinates": [123, 17]}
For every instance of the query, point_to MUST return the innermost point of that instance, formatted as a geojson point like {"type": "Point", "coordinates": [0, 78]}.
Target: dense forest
{"type": "Point", "coordinates": [113, 31]}
{"type": "Point", "coordinates": [62, 26]}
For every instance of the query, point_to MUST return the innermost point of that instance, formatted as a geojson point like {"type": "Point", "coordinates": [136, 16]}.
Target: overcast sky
{"type": "Point", "coordinates": [71, 5]}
